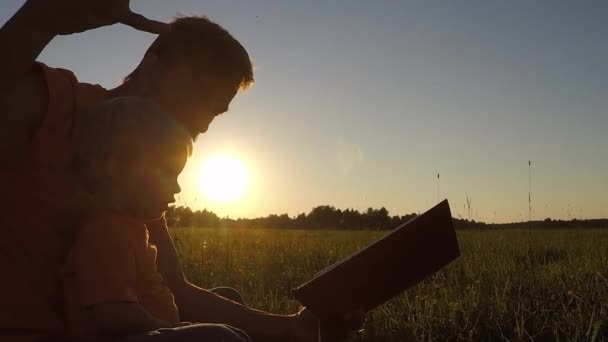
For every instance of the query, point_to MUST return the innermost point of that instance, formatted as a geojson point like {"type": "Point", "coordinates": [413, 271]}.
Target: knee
{"type": "Point", "coordinates": [230, 293]}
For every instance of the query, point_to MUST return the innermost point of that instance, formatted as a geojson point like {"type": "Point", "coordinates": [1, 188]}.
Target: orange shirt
{"type": "Point", "coordinates": [113, 261]}
{"type": "Point", "coordinates": [36, 200]}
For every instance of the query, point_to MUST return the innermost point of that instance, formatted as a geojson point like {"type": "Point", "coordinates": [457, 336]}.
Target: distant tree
{"type": "Point", "coordinates": [182, 217]}
{"type": "Point", "coordinates": [300, 222]}
{"type": "Point", "coordinates": [205, 218]}
{"type": "Point", "coordinates": [351, 219]}
{"type": "Point", "coordinates": [324, 216]}
{"type": "Point", "coordinates": [278, 221]}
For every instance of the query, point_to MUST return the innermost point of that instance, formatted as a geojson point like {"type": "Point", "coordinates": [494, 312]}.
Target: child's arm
{"type": "Point", "coordinates": [122, 318]}
{"type": "Point", "coordinates": [200, 305]}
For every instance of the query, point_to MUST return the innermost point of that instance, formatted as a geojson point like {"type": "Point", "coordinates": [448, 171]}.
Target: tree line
{"type": "Point", "coordinates": [320, 217]}
{"type": "Point", "coordinates": [329, 217]}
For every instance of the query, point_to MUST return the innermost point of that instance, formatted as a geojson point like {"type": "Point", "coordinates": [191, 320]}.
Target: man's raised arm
{"type": "Point", "coordinates": [22, 40]}
{"type": "Point", "coordinates": [26, 34]}
{"type": "Point", "coordinates": [23, 90]}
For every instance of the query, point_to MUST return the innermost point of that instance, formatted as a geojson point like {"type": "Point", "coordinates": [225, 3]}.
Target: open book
{"type": "Point", "coordinates": [384, 269]}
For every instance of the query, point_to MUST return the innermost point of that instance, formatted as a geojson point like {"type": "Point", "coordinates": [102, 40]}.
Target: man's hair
{"type": "Point", "coordinates": [205, 46]}
{"type": "Point", "coordinates": [124, 129]}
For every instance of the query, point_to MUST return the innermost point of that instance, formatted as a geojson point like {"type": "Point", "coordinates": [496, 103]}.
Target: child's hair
{"type": "Point", "coordinates": [207, 47]}
{"type": "Point", "coordinates": [124, 129]}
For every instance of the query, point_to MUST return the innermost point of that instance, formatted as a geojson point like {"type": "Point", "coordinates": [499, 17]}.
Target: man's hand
{"type": "Point", "coordinates": [72, 16]}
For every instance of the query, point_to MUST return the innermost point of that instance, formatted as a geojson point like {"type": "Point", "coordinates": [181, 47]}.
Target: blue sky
{"type": "Point", "coordinates": [361, 103]}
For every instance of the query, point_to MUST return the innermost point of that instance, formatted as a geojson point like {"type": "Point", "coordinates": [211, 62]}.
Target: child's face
{"type": "Point", "coordinates": [149, 184]}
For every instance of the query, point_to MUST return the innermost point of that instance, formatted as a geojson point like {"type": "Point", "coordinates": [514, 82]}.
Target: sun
{"type": "Point", "coordinates": [223, 178]}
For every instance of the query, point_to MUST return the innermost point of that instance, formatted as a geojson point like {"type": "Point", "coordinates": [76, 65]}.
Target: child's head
{"type": "Point", "coordinates": [128, 156]}
{"type": "Point", "coordinates": [193, 71]}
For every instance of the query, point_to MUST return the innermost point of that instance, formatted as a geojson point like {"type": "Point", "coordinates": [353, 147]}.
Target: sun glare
{"type": "Point", "coordinates": [223, 178]}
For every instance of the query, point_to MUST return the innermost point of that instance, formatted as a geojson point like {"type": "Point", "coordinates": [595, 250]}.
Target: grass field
{"type": "Point", "coordinates": [507, 285]}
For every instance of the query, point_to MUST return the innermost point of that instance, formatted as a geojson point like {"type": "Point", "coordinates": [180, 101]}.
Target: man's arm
{"type": "Point", "coordinates": [23, 93]}
{"type": "Point", "coordinates": [199, 305]}
{"type": "Point", "coordinates": [21, 110]}
{"type": "Point", "coordinates": [29, 31]}
{"type": "Point", "coordinates": [26, 40]}
{"type": "Point", "coordinates": [37, 22]}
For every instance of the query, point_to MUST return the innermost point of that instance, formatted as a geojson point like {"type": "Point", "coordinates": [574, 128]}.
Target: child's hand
{"type": "Point", "coordinates": [72, 16]}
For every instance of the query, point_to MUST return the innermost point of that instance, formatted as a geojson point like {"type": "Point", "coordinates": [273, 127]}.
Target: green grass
{"type": "Point", "coordinates": [507, 285]}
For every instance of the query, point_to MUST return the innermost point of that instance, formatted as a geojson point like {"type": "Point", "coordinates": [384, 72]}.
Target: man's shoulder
{"type": "Point", "coordinates": [66, 93]}
{"type": "Point", "coordinates": [50, 73]}
{"type": "Point", "coordinates": [55, 72]}
{"type": "Point", "coordinates": [44, 97]}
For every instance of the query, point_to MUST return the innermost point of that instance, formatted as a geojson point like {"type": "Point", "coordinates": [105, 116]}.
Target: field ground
{"type": "Point", "coordinates": [507, 285]}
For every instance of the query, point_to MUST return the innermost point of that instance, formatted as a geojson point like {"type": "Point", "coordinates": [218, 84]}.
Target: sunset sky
{"type": "Point", "coordinates": [361, 103]}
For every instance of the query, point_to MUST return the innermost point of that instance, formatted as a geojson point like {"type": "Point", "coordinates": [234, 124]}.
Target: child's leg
{"type": "Point", "coordinates": [201, 332]}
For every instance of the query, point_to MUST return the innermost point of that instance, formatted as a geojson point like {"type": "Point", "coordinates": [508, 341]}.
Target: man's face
{"type": "Point", "coordinates": [193, 100]}
{"type": "Point", "coordinates": [203, 107]}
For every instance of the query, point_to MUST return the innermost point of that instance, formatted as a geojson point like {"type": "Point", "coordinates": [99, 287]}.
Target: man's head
{"type": "Point", "coordinates": [193, 71]}
{"type": "Point", "coordinates": [128, 157]}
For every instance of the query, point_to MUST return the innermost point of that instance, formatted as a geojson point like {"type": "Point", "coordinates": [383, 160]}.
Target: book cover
{"type": "Point", "coordinates": [384, 269]}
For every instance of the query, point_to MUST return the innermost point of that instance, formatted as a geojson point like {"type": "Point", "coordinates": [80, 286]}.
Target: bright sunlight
{"type": "Point", "coordinates": [223, 178]}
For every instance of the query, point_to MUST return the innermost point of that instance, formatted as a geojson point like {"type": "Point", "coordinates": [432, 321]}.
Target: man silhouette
{"type": "Point", "coordinates": [192, 71]}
